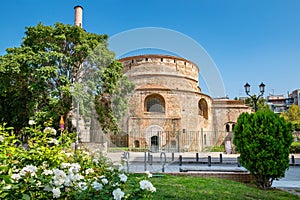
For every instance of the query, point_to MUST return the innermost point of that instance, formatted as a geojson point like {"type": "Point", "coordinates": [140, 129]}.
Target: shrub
{"type": "Point", "coordinates": [295, 147]}
{"type": "Point", "coordinates": [263, 140]}
{"type": "Point", "coordinates": [49, 169]}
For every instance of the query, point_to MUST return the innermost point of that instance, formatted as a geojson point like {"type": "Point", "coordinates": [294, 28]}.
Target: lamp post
{"type": "Point", "coordinates": [254, 97]}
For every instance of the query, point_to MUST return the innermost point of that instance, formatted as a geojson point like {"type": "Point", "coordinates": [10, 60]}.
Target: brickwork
{"type": "Point", "coordinates": [173, 81]}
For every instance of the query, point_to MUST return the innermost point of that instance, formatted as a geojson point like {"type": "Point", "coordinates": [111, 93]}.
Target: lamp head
{"type": "Point", "coordinates": [247, 88]}
{"type": "Point", "coordinates": [262, 88]}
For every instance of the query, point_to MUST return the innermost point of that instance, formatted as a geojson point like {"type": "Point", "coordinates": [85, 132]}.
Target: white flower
{"type": "Point", "coordinates": [29, 168]}
{"type": "Point", "coordinates": [75, 177]}
{"type": "Point", "coordinates": [104, 181]}
{"type": "Point", "coordinates": [65, 165]}
{"type": "Point", "coordinates": [15, 176]}
{"type": "Point", "coordinates": [53, 141]}
{"type": "Point", "coordinates": [82, 186]}
{"type": "Point", "coordinates": [147, 185]}
{"type": "Point", "coordinates": [59, 177]}
{"type": "Point", "coordinates": [123, 178]}
{"type": "Point", "coordinates": [15, 169]}
{"type": "Point", "coordinates": [118, 194]}
{"type": "Point", "coordinates": [148, 174]}
{"type": "Point", "coordinates": [89, 170]}
{"type": "Point", "coordinates": [56, 192]}
{"type": "Point", "coordinates": [97, 186]}
{"type": "Point", "coordinates": [47, 172]}
{"type": "Point", "coordinates": [74, 168]}
{"type": "Point", "coordinates": [96, 161]}
{"type": "Point", "coordinates": [1, 138]}
{"type": "Point", "coordinates": [68, 182]}
{"type": "Point", "coordinates": [31, 122]}
{"type": "Point", "coordinates": [120, 167]}
{"type": "Point", "coordinates": [50, 130]}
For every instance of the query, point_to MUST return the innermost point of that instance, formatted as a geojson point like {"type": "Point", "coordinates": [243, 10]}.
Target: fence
{"type": "Point", "coordinates": [160, 141]}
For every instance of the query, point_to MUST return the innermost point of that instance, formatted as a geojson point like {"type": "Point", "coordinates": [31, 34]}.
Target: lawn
{"type": "Point", "coordinates": [191, 188]}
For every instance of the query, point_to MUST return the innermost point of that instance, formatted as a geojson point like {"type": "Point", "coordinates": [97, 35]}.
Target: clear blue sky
{"type": "Point", "coordinates": [249, 40]}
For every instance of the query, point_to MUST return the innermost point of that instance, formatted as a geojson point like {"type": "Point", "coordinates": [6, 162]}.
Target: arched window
{"type": "Point", "coordinates": [136, 143]}
{"type": "Point", "coordinates": [203, 108]}
{"type": "Point", "coordinates": [232, 127]}
{"type": "Point", "coordinates": [227, 128]}
{"type": "Point", "coordinates": [155, 103]}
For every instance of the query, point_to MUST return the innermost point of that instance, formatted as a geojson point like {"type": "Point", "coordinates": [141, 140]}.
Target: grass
{"type": "Point", "coordinates": [193, 188]}
{"type": "Point", "coordinates": [220, 148]}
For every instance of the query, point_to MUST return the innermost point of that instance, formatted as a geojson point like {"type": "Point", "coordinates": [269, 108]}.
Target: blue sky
{"type": "Point", "coordinates": [249, 40]}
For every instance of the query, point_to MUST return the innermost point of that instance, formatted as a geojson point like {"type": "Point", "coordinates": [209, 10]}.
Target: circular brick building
{"type": "Point", "coordinates": [167, 110]}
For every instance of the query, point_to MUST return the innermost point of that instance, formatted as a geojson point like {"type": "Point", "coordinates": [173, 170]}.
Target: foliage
{"type": "Point", "coordinates": [295, 147]}
{"type": "Point", "coordinates": [293, 116]}
{"type": "Point", "coordinates": [48, 168]}
{"type": "Point", "coordinates": [36, 77]}
{"type": "Point", "coordinates": [111, 105]}
{"type": "Point", "coordinates": [263, 140]}
{"type": "Point", "coordinates": [261, 103]}
{"type": "Point", "coordinates": [194, 187]}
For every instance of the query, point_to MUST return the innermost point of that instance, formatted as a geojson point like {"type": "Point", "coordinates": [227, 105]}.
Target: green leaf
{"type": "Point", "coordinates": [25, 197]}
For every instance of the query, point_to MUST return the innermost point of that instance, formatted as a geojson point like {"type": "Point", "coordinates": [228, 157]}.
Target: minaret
{"type": "Point", "coordinates": [78, 16]}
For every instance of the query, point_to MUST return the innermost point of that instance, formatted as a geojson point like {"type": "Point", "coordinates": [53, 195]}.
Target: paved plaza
{"type": "Point", "coordinates": [136, 163]}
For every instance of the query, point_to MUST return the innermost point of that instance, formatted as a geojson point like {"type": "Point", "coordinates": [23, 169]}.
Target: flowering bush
{"type": "Point", "coordinates": [47, 168]}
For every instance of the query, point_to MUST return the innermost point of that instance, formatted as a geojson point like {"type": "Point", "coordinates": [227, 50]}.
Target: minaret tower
{"type": "Point", "coordinates": [78, 16]}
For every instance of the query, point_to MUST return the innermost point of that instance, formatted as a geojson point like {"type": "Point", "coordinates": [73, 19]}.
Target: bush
{"type": "Point", "coordinates": [295, 147]}
{"type": "Point", "coordinates": [48, 168]}
{"type": "Point", "coordinates": [263, 140]}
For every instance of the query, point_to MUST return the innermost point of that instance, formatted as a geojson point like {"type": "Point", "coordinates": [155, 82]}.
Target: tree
{"type": "Point", "coordinates": [261, 103]}
{"type": "Point", "coordinates": [293, 116]}
{"type": "Point", "coordinates": [263, 140]}
{"type": "Point", "coordinates": [36, 77]}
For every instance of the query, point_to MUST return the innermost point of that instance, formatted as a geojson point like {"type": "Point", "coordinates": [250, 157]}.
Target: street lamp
{"type": "Point", "coordinates": [253, 97]}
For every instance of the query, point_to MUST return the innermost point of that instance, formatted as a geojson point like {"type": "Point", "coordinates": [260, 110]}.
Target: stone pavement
{"type": "Point", "coordinates": [136, 163]}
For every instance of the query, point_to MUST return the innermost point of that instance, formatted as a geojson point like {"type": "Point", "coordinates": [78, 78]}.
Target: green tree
{"type": "Point", "coordinates": [36, 77]}
{"type": "Point", "coordinates": [261, 103]}
{"type": "Point", "coordinates": [292, 115]}
{"type": "Point", "coordinates": [263, 140]}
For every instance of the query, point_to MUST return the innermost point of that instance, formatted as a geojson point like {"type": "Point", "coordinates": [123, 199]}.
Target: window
{"type": "Point", "coordinates": [232, 128]}
{"type": "Point", "coordinates": [154, 140]}
{"type": "Point", "coordinates": [203, 108]}
{"type": "Point", "coordinates": [155, 103]}
{"type": "Point", "coordinates": [227, 128]}
{"type": "Point", "coordinates": [173, 144]}
{"type": "Point", "coordinates": [136, 143]}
